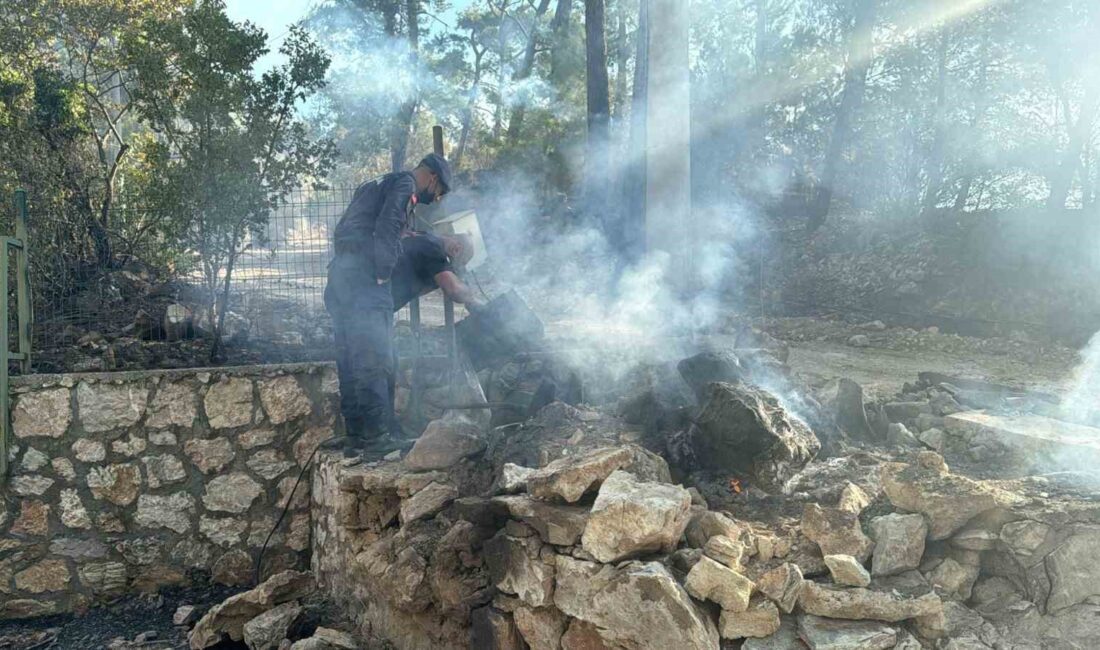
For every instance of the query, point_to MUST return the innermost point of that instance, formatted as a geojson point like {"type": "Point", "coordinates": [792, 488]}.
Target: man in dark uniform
{"type": "Point", "coordinates": [367, 242]}
{"type": "Point", "coordinates": [429, 262]}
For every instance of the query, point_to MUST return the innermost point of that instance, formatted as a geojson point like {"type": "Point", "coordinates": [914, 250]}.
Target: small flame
{"type": "Point", "coordinates": [735, 485]}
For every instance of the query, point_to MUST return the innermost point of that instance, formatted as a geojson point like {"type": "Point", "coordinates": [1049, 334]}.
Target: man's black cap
{"type": "Point", "coordinates": [440, 167]}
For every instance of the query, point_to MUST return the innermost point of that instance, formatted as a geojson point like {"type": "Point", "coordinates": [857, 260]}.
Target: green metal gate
{"type": "Point", "coordinates": [14, 248]}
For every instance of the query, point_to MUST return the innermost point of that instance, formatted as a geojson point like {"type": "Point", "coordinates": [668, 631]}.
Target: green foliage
{"type": "Point", "coordinates": [230, 146]}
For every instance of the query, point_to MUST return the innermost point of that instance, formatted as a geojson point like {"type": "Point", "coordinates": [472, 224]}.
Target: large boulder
{"type": "Point", "coordinates": [634, 605]}
{"type": "Point", "coordinates": [891, 599]}
{"type": "Point", "coordinates": [516, 567]}
{"type": "Point", "coordinates": [568, 479]}
{"type": "Point", "coordinates": [228, 618]}
{"type": "Point", "coordinates": [743, 428]}
{"type": "Point", "coordinates": [706, 368]}
{"type": "Point", "coordinates": [836, 531]}
{"type": "Point", "coordinates": [709, 580]}
{"type": "Point", "coordinates": [444, 443]}
{"type": "Point", "coordinates": [899, 543]}
{"type": "Point", "coordinates": [631, 517]}
{"type": "Point", "coordinates": [828, 634]}
{"type": "Point", "coordinates": [946, 500]}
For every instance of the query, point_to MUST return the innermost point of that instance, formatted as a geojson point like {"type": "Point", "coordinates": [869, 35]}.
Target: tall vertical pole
{"type": "Point", "coordinates": [668, 224]}
{"type": "Point", "coordinates": [448, 304]}
{"type": "Point", "coordinates": [24, 310]}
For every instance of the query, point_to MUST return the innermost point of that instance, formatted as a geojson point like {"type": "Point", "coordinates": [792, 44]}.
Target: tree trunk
{"type": "Point", "coordinates": [859, 48]}
{"type": "Point", "coordinates": [559, 28]}
{"type": "Point", "coordinates": [598, 159]}
{"type": "Point", "coordinates": [630, 237]}
{"type": "Point", "coordinates": [515, 123]}
{"type": "Point", "coordinates": [622, 57]}
{"type": "Point", "coordinates": [399, 147]}
{"type": "Point", "coordinates": [471, 103]}
{"type": "Point", "coordinates": [935, 157]}
{"type": "Point", "coordinates": [1061, 181]}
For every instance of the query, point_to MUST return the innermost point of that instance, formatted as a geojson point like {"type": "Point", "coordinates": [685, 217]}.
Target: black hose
{"type": "Point", "coordinates": [290, 499]}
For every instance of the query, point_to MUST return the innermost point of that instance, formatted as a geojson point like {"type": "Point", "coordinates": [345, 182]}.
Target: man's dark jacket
{"type": "Point", "coordinates": [374, 219]}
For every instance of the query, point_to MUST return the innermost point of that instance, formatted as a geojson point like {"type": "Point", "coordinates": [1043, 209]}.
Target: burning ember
{"type": "Point", "coordinates": [736, 486]}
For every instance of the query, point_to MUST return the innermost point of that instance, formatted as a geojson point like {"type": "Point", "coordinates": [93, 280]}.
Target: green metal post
{"type": "Point", "coordinates": [24, 309]}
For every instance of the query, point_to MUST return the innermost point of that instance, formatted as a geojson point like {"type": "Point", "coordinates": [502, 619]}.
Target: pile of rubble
{"type": "Point", "coordinates": [271, 616]}
{"type": "Point", "coordinates": [571, 531]}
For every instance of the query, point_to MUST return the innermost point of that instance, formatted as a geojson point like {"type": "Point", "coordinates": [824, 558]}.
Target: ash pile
{"type": "Point", "coordinates": [717, 501]}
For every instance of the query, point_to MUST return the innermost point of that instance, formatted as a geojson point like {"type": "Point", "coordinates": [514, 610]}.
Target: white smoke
{"type": "Point", "coordinates": [1082, 403]}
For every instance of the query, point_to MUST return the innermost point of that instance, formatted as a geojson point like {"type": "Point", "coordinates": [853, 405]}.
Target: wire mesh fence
{"type": "Point", "coordinates": [155, 304]}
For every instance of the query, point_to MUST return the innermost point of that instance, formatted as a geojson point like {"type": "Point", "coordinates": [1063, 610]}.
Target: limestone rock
{"type": "Point", "coordinates": [78, 549]}
{"type": "Point", "coordinates": [31, 485]}
{"type": "Point", "coordinates": [21, 608]}
{"type": "Point", "coordinates": [853, 499]}
{"type": "Point", "coordinates": [516, 567]}
{"type": "Point", "coordinates": [47, 575]}
{"type": "Point", "coordinates": [284, 399]}
{"type": "Point", "coordinates": [104, 578]}
{"type": "Point", "coordinates": [828, 634]}
{"type": "Point", "coordinates": [267, 630]}
{"type": "Point", "coordinates": [173, 405]}
{"type": "Point", "coordinates": [184, 615]}
{"type": "Point", "coordinates": [309, 441]}
{"type": "Point", "coordinates": [760, 620]}
{"type": "Point", "coordinates": [130, 447]}
{"type": "Point", "coordinates": [899, 543]}
{"type": "Point", "coordinates": [228, 403]}
{"type": "Point", "coordinates": [568, 479]}
{"type": "Point", "coordinates": [881, 602]}
{"type": "Point", "coordinates": [541, 627]}
{"type": "Point", "coordinates": [228, 618]}
{"type": "Point", "coordinates": [1024, 537]}
{"type": "Point", "coordinates": [513, 478]}
{"type": "Point", "coordinates": [269, 463]}
{"type": "Point", "coordinates": [637, 604]}
{"type": "Point", "coordinates": [33, 460]}
{"type": "Point", "coordinates": [224, 532]}
{"type": "Point", "coordinates": [954, 580]}
{"type": "Point", "coordinates": [783, 585]}
{"type": "Point", "coordinates": [164, 469]}
{"type": "Point", "coordinates": [975, 539]}
{"type": "Point", "coordinates": [835, 531]}
{"type": "Point", "coordinates": [785, 638]}
{"type": "Point", "coordinates": [33, 519]}
{"type": "Point", "coordinates": [174, 511]}
{"type": "Point", "coordinates": [493, 629]}
{"type": "Point", "coordinates": [232, 568]}
{"type": "Point", "coordinates": [232, 493]}
{"type": "Point", "coordinates": [142, 551]}
{"type": "Point", "coordinates": [327, 639]}
{"type": "Point", "coordinates": [427, 502]}
{"type": "Point", "coordinates": [116, 483]}
{"type": "Point", "coordinates": [444, 443]}
{"type": "Point", "coordinates": [583, 636]}
{"type": "Point", "coordinates": [557, 524]}
{"type": "Point", "coordinates": [709, 580]}
{"type": "Point", "coordinates": [73, 512]}
{"type": "Point", "coordinates": [630, 517]}
{"type": "Point", "coordinates": [847, 571]}
{"type": "Point", "coordinates": [743, 428]}
{"type": "Point", "coordinates": [63, 467]}
{"type": "Point", "coordinates": [948, 501]}
{"type": "Point", "coordinates": [706, 368]}
{"type": "Point", "coordinates": [253, 438]}
{"type": "Point", "coordinates": [209, 455]}
{"type": "Point", "coordinates": [44, 413]}
{"type": "Point", "coordinates": [89, 451]}
{"type": "Point", "coordinates": [1073, 569]}
{"type": "Point", "coordinates": [705, 524]}
{"type": "Point", "coordinates": [723, 549]}
{"type": "Point", "coordinates": [104, 407]}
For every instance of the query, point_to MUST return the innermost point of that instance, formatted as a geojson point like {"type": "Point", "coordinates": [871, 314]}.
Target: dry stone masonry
{"type": "Point", "coordinates": [130, 481]}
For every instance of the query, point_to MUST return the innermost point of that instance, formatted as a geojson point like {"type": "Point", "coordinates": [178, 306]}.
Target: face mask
{"type": "Point", "coordinates": [425, 197]}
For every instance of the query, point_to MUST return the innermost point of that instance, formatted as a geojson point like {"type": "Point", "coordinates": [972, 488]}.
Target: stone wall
{"type": "Point", "coordinates": [134, 481]}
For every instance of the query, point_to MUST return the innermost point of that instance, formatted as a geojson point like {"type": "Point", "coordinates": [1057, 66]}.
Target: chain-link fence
{"type": "Point", "coordinates": [153, 305]}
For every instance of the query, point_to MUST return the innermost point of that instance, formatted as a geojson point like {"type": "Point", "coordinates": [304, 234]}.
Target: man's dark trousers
{"type": "Point", "coordinates": [362, 315]}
